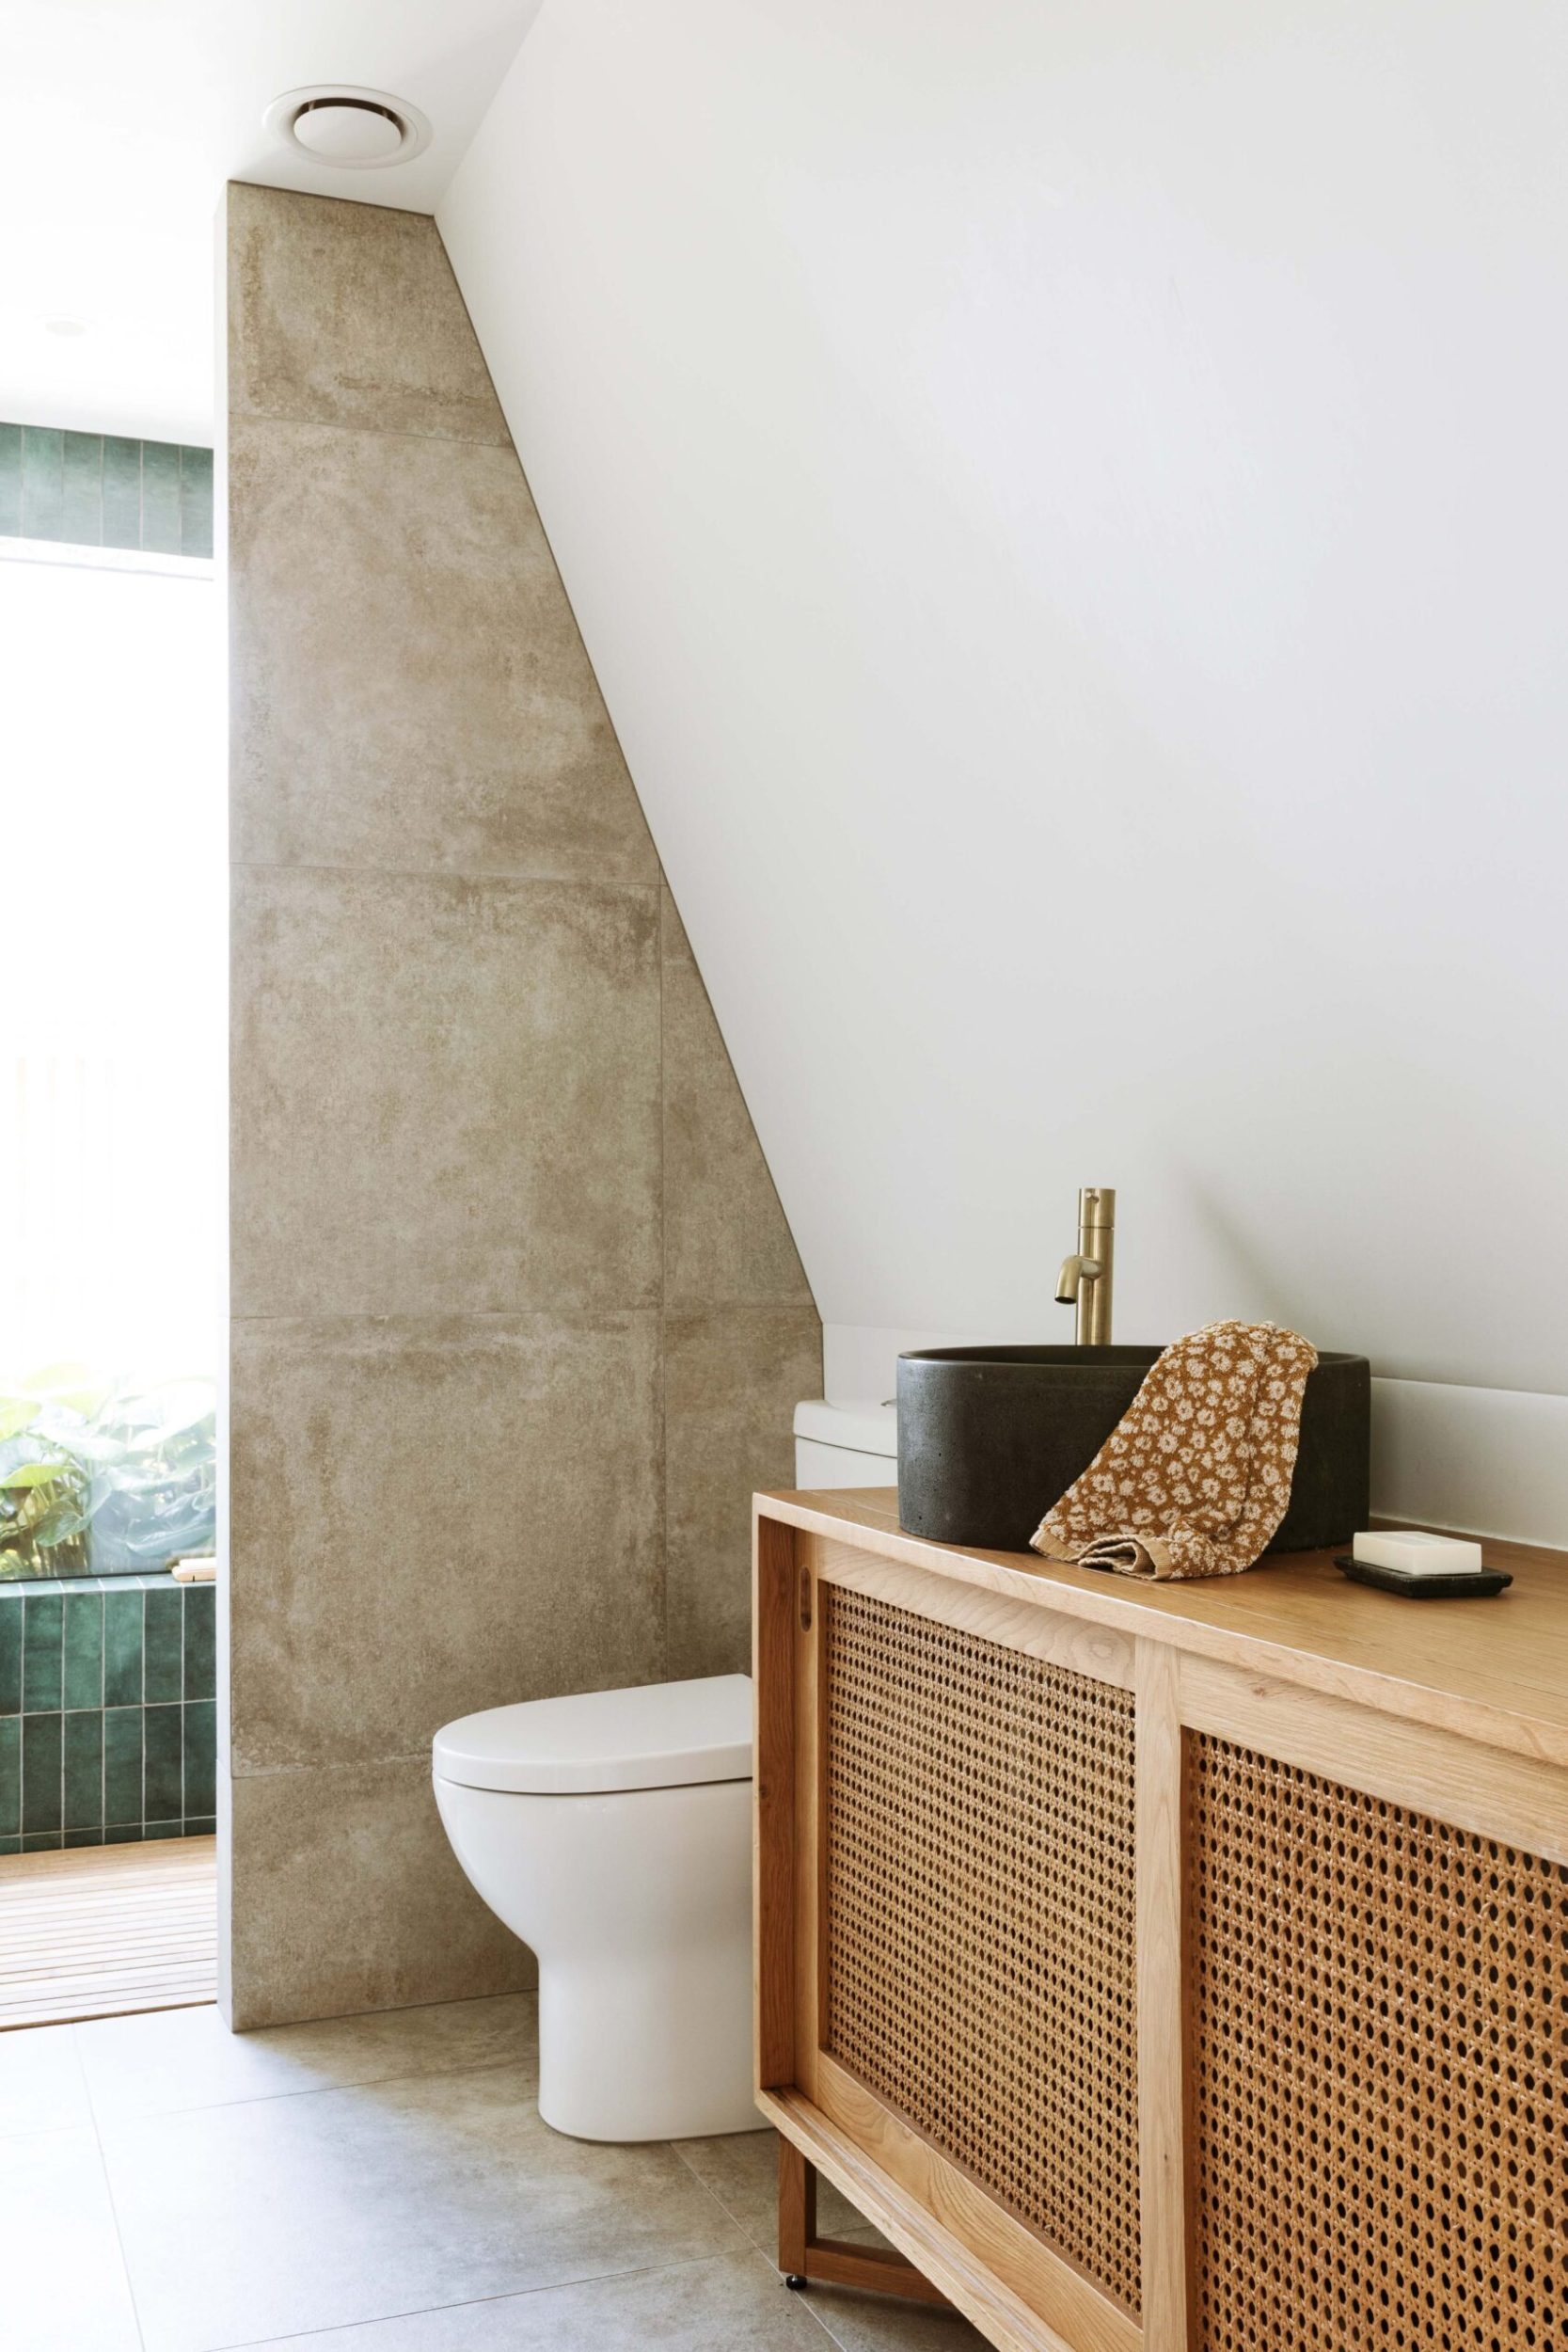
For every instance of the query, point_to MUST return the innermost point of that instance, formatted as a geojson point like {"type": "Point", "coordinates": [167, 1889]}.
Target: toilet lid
{"type": "Point", "coordinates": [668, 1735]}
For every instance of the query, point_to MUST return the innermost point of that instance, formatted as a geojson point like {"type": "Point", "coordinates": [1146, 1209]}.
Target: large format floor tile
{"type": "Point", "coordinates": [276, 2217]}
{"type": "Point", "coordinates": [879, 2323]}
{"type": "Point", "coordinates": [734, 2304]}
{"type": "Point", "coordinates": [62, 2282]}
{"type": "Point", "coordinates": [742, 2169]}
{"type": "Point", "coordinates": [143, 2066]}
{"type": "Point", "coordinates": [42, 2088]}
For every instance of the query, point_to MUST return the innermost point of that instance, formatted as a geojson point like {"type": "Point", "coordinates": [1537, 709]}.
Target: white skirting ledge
{"type": "Point", "coordinates": [1482, 1461]}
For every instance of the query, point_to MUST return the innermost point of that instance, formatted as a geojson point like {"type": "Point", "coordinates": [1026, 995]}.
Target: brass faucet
{"type": "Point", "coordinates": [1084, 1281]}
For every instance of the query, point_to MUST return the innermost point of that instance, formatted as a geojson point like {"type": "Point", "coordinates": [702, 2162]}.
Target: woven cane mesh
{"type": "Point", "coordinates": [1380, 2088]}
{"type": "Point", "coordinates": [980, 1922]}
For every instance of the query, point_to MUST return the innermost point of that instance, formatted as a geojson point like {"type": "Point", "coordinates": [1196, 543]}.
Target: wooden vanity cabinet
{"type": "Point", "coordinates": [1179, 1966]}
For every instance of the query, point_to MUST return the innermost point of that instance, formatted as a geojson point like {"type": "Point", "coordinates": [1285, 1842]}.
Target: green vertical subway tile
{"type": "Point", "coordinates": [82, 511]}
{"type": "Point", "coordinates": [162, 1793]}
{"type": "Point", "coordinates": [40, 1774]}
{"type": "Point", "coordinates": [151, 1830]}
{"type": "Point", "coordinates": [10, 480]}
{"type": "Point", "coordinates": [41, 1622]}
{"type": "Point", "coordinates": [122, 493]}
{"type": "Point", "coordinates": [201, 1757]}
{"type": "Point", "coordinates": [123, 1647]}
{"type": "Point", "coordinates": [201, 1641]}
{"type": "Point", "coordinates": [83, 1769]}
{"type": "Point", "coordinates": [196, 1827]}
{"type": "Point", "coordinates": [122, 1764]}
{"type": "Point", "coordinates": [43, 483]}
{"type": "Point", "coordinates": [93, 1836]}
{"type": "Point", "coordinates": [164, 1657]}
{"type": "Point", "coordinates": [122, 1834]}
{"type": "Point", "coordinates": [10, 1845]}
{"type": "Point", "coordinates": [10, 1653]}
{"type": "Point", "coordinates": [160, 498]}
{"type": "Point", "coordinates": [196, 502]}
{"type": "Point", "coordinates": [83, 1682]}
{"type": "Point", "coordinates": [10, 1775]}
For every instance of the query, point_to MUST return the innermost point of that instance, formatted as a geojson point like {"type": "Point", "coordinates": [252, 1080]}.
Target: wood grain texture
{"type": "Point", "coordinates": [1495, 1671]}
{"type": "Point", "coordinates": [103, 1930]}
{"type": "Point", "coordinates": [1431, 1740]}
{"type": "Point", "coordinates": [924, 2237]}
{"type": "Point", "coordinates": [1158, 1786]}
{"type": "Point", "coordinates": [1095, 1650]}
{"type": "Point", "coordinates": [1067, 2304]}
{"type": "Point", "coordinates": [1474, 1787]}
{"type": "Point", "coordinates": [773, 1802]}
{"type": "Point", "coordinates": [796, 2208]}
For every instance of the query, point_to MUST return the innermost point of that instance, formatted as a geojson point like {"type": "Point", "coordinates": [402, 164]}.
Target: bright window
{"type": "Point", "coordinates": [111, 1061]}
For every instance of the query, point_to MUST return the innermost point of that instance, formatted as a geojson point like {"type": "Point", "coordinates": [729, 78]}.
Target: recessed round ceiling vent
{"type": "Point", "coordinates": [350, 129]}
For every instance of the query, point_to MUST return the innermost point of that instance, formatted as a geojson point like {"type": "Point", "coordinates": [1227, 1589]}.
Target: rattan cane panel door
{"type": "Point", "coordinates": [979, 1880]}
{"type": "Point", "coordinates": [1379, 2069]}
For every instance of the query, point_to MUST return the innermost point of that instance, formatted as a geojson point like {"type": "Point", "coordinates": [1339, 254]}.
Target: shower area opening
{"type": "Point", "coordinates": [112, 1156]}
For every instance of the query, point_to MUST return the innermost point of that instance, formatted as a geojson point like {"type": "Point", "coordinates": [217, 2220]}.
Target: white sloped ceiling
{"type": "Point", "coordinates": [1068, 507]}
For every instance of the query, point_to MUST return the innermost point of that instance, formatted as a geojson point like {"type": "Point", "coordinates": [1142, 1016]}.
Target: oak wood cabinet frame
{"type": "Point", "coordinates": [1459, 1711]}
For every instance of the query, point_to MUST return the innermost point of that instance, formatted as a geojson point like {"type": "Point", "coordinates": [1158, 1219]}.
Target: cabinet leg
{"type": "Point", "coordinates": [797, 2209]}
{"type": "Point", "coordinates": [834, 2261]}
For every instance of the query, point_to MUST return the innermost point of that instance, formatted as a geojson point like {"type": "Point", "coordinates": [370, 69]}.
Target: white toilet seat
{"type": "Point", "coordinates": [612, 1832]}
{"type": "Point", "coordinates": [663, 1735]}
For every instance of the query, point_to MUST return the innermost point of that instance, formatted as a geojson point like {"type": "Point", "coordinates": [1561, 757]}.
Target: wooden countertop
{"type": "Point", "coordinates": [1493, 1670]}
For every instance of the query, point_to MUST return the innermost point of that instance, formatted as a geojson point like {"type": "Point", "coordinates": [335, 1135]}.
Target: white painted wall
{"type": "Point", "coordinates": [1067, 508]}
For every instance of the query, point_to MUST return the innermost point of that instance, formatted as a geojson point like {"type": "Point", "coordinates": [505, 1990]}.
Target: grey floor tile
{"type": "Point", "coordinates": [187, 2057]}
{"type": "Point", "coordinates": [879, 2323]}
{"type": "Point", "coordinates": [742, 2169]}
{"type": "Point", "coordinates": [277, 2217]}
{"type": "Point", "coordinates": [42, 2088]}
{"type": "Point", "coordinates": [733, 2304]}
{"type": "Point", "coordinates": [62, 2281]}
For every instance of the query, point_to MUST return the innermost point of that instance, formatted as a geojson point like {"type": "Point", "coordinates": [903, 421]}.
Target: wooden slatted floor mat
{"type": "Point", "coordinates": [102, 1930]}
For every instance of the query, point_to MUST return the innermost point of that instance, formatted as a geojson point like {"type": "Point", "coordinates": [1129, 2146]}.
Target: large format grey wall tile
{"type": "Point", "coordinates": [726, 1240]}
{"type": "Point", "coordinates": [347, 1896]}
{"type": "Point", "coordinates": [732, 1379]}
{"type": "Point", "coordinates": [350, 314]}
{"type": "Point", "coordinates": [485, 1137]}
{"type": "Point", "coordinates": [445, 1094]}
{"type": "Point", "coordinates": [409, 687]}
{"type": "Point", "coordinates": [436, 1516]}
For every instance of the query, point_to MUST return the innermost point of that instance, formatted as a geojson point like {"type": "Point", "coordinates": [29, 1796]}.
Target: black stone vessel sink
{"type": "Point", "coordinates": [989, 1438]}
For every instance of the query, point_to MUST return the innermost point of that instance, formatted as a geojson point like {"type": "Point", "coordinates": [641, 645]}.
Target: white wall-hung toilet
{"type": "Point", "coordinates": [612, 1832]}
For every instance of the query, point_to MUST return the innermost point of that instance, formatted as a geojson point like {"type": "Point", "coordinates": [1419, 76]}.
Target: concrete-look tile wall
{"type": "Point", "coordinates": [518, 1323]}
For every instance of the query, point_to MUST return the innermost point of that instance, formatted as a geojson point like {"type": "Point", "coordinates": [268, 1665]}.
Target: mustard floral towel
{"type": "Point", "coordinates": [1195, 1477]}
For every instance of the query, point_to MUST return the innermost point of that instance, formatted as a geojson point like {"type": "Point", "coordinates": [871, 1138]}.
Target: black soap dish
{"type": "Point", "coordinates": [1437, 1586]}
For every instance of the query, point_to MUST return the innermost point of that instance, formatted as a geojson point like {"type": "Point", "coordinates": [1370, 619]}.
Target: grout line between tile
{"type": "Point", "coordinates": [308, 2090]}
{"type": "Point", "coordinates": [709, 2190]}
{"type": "Point", "coordinates": [239, 414]}
{"type": "Point", "coordinates": [113, 2212]}
{"type": "Point", "coordinates": [475, 2302]}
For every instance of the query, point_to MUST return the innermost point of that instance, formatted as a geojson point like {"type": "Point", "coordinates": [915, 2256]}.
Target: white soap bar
{"type": "Point", "coordinates": [1411, 1552]}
